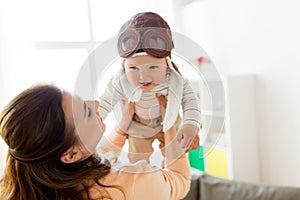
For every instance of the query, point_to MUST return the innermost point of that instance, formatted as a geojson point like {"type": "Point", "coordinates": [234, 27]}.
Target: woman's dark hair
{"type": "Point", "coordinates": [33, 126]}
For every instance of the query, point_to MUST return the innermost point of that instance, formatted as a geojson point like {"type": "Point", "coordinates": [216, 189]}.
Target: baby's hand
{"type": "Point", "coordinates": [188, 137]}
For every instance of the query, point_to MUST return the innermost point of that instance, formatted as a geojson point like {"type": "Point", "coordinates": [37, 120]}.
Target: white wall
{"type": "Point", "coordinates": [242, 136]}
{"type": "Point", "coordinates": [260, 37]}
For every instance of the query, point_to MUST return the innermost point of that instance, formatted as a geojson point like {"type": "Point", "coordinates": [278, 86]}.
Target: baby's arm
{"type": "Point", "coordinates": [111, 96]}
{"type": "Point", "coordinates": [188, 132]}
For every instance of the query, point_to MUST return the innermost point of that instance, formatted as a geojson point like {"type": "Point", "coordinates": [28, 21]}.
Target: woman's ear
{"type": "Point", "coordinates": [72, 155]}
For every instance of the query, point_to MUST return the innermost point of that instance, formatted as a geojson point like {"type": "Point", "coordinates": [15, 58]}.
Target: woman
{"type": "Point", "coordinates": [52, 138]}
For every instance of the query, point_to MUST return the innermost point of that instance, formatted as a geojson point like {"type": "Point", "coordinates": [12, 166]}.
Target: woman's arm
{"type": "Point", "coordinates": [177, 171]}
{"type": "Point", "coordinates": [143, 181]}
{"type": "Point", "coordinates": [176, 175]}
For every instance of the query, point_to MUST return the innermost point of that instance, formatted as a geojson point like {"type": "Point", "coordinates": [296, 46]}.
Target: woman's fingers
{"type": "Point", "coordinates": [162, 100]}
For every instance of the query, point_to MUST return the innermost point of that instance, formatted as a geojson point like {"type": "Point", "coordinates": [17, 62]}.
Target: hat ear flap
{"type": "Point", "coordinates": [171, 64]}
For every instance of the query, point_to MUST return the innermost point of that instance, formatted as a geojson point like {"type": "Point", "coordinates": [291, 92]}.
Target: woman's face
{"type": "Point", "coordinates": [145, 71]}
{"type": "Point", "coordinates": [83, 116]}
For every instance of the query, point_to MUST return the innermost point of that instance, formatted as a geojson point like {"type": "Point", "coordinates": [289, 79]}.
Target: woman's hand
{"type": "Point", "coordinates": [163, 103]}
{"type": "Point", "coordinates": [127, 114]}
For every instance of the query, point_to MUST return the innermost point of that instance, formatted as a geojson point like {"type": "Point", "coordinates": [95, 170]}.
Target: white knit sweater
{"type": "Point", "coordinates": [176, 88]}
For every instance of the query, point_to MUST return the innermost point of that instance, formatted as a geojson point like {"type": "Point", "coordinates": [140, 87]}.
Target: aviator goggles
{"type": "Point", "coordinates": [156, 42]}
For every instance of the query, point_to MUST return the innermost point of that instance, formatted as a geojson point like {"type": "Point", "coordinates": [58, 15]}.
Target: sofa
{"type": "Point", "coordinates": [207, 187]}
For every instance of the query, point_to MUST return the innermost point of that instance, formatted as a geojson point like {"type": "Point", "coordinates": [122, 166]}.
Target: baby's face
{"type": "Point", "coordinates": [145, 71]}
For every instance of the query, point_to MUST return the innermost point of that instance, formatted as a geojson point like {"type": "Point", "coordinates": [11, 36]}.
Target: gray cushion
{"type": "Point", "coordinates": [194, 193]}
{"type": "Point", "coordinates": [213, 188]}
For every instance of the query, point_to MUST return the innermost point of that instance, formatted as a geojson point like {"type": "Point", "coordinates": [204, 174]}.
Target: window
{"type": "Point", "coordinates": [48, 41]}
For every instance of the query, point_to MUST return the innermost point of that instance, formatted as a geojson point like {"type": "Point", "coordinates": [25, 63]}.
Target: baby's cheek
{"type": "Point", "coordinates": [133, 78]}
{"type": "Point", "coordinates": [159, 78]}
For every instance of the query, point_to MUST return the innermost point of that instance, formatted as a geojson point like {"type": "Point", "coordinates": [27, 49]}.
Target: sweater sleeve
{"type": "Point", "coordinates": [190, 105]}
{"type": "Point", "coordinates": [172, 183]}
{"type": "Point", "coordinates": [142, 181]}
{"type": "Point", "coordinates": [111, 96]}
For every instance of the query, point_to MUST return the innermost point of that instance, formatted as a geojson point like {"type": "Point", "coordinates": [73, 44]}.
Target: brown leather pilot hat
{"type": "Point", "coordinates": [145, 32]}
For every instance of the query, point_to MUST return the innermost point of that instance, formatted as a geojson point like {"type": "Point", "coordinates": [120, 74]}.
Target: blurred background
{"type": "Point", "coordinates": [253, 44]}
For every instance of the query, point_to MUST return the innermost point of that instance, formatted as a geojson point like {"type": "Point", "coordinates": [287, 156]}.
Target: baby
{"type": "Point", "coordinates": [147, 74]}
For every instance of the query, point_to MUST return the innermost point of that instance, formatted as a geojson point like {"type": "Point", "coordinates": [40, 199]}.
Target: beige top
{"type": "Point", "coordinates": [142, 181]}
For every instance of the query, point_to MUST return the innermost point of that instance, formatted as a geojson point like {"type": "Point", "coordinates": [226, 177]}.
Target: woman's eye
{"type": "Point", "coordinates": [89, 112]}
{"type": "Point", "coordinates": [133, 68]}
{"type": "Point", "coordinates": [153, 67]}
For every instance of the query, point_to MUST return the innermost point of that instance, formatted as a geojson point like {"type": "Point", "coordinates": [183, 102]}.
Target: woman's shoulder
{"type": "Point", "coordinates": [140, 166]}
{"type": "Point", "coordinates": [137, 180]}
{"type": "Point", "coordinates": [126, 170]}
